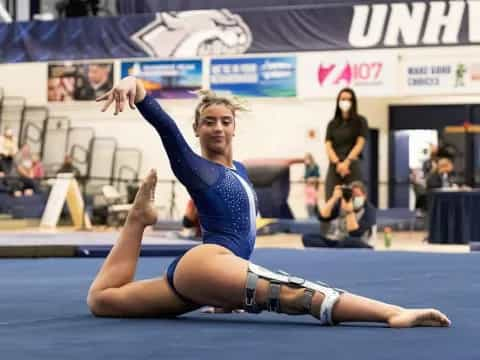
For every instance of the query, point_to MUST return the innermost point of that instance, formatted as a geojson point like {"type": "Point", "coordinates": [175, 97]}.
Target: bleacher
{"type": "Point", "coordinates": [50, 138]}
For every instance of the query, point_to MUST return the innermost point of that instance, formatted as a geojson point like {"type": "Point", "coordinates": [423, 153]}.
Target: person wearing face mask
{"type": "Point", "coordinates": [346, 219]}
{"type": "Point", "coordinates": [345, 140]}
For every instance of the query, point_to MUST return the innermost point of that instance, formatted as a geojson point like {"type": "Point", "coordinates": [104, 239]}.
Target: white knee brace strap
{"type": "Point", "coordinates": [255, 272]}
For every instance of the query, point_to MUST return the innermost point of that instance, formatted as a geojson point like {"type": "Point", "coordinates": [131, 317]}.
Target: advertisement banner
{"type": "Point", "coordinates": [255, 77]}
{"type": "Point", "coordinates": [79, 81]}
{"type": "Point", "coordinates": [173, 79]}
{"type": "Point", "coordinates": [215, 31]}
{"type": "Point", "coordinates": [445, 76]}
{"type": "Point", "coordinates": [369, 74]}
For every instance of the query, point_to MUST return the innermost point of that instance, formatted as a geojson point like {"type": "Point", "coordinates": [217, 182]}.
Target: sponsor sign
{"type": "Point", "coordinates": [262, 76]}
{"type": "Point", "coordinates": [167, 79]}
{"type": "Point", "coordinates": [222, 32]}
{"type": "Point", "coordinates": [323, 75]}
{"type": "Point", "coordinates": [447, 76]}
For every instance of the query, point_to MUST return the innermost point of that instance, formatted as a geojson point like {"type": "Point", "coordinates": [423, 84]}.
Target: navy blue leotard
{"type": "Point", "coordinates": [224, 197]}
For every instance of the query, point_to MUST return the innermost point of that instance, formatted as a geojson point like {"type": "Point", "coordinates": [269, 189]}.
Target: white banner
{"type": "Point", "coordinates": [369, 74]}
{"type": "Point", "coordinates": [444, 76]}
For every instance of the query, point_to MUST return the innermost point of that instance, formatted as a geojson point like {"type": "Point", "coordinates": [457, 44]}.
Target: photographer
{"type": "Point", "coordinates": [346, 219]}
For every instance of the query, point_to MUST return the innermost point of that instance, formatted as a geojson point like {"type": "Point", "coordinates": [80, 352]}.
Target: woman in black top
{"type": "Point", "coordinates": [346, 136]}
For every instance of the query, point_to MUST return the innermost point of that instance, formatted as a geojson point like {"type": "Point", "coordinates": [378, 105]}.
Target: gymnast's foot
{"type": "Point", "coordinates": [419, 317]}
{"type": "Point", "coordinates": [143, 209]}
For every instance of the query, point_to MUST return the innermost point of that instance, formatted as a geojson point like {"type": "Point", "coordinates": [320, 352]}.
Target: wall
{"type": "Point", "coordinates": [274, 127]}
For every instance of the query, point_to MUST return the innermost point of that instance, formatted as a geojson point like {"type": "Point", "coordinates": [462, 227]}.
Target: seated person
{"type": "Point", "coordinates": [8, 150]}
{"type": "Point", "coordinates": [38, 171]}
{"type": "Point", "coordinates": [3, 181]}
{"type": "Point", "coordinates": [443, 177]}
{"type": "Point", "coordinates": [346, 220]}
{"type": "Point", "coordinates": [190, 220]}
{"type": "Point", "coordinates": [311, 178]}
{"type": "Point", "coordinates": [7, 184]}
{"type": "Point", "coordinates": [68, 167]}
{"type": "Point", "coordinates": [22, 174]}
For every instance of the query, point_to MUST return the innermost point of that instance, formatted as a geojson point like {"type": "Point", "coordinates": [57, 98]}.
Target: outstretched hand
{"type": "Point", "coordinates": [123, 94]}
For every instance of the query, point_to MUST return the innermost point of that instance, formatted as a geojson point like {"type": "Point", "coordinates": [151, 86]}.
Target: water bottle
{"type": "Point", "coordinates": [387, 237]}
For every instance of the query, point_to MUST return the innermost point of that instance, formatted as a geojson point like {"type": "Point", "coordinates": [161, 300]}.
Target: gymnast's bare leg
{"type": "Point", "coordinates": [114, 292]}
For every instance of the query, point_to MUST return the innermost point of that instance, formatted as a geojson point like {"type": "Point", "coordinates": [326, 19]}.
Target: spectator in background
{"type": "Point", "coordinates": [312, 178]}
{"type": "Point", "coordinates": [430, 164]}
{"type": "Point", "coordinates": [191, 221]}
{"type": "Point", "coordinates": [345, 140]}
{"type": "Point", "coordinates": [38, 170]}
{"type": "Point", "coordinates": [24, 162]}
{"type": "Point", "coordinates": [23, 182]}
{"type": "Point", "coordinates": [419, 188]}
{"type": "Point", "coordinates": [3, 182]}
{"type": "Point", "coordinates": [443, 177]}
{"type": "Point", "coordinates": [68, 167]}
{"type": "Point", "coordinates": [346, 220]}
{"type": "Point", "coordinates": [77, 8]}
{"type": "Point", "coordinates": [8, 150]}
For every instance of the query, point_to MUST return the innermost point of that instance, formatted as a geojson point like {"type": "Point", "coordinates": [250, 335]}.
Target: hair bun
{"type": "Point", "coordinates": [209, 97]}
{"type": "Point", "coordinates": [205, 94]}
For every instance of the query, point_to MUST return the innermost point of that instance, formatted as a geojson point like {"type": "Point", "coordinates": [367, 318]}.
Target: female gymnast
{"type": "Point", "coordinates": [218, 272]}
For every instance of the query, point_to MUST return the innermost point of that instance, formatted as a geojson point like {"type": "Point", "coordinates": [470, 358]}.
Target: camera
{"type": "Point", "coordinates": [346, 192]}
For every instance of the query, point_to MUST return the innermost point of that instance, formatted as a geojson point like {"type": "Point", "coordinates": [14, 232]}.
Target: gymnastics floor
{"type": "Point", "coordinates": [43, 313]}
{"type": "Point", "coordinates": [34, 244]}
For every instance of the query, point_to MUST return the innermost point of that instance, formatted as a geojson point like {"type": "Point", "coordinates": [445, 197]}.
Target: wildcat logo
{"type": "Point", "coordinates": [350, 74]}
{"type": "Point", "coordinates": [415, 23]}
{"type": "Point", "coordinates": [194, 33]}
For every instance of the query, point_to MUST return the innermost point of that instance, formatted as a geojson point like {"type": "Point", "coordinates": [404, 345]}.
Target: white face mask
{"type": "Point", "coordinates": [345, 105]}
{"type": "Point", "coordinates": [358, 202]}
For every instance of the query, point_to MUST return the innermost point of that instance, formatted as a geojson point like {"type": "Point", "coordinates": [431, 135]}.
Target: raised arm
{"type": "Point", "coordinates": [191, 170]}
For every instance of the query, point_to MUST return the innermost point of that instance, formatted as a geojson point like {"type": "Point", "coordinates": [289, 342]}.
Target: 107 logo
{"type": "Point", "coordinates": [349, 73]}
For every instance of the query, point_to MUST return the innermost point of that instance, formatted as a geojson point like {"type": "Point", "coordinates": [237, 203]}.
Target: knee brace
{"type": "Point", "coordinates": [276, 280]}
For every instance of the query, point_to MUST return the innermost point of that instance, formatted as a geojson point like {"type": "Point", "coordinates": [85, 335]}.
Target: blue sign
{"type": "Point", "coordinates": [167, 79]}
{"type": "Point", "coordinates": [356, 24]}
{"type": "Point", "coordinates": [262, 76]}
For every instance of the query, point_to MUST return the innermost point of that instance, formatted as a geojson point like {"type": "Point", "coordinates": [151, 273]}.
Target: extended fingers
{"type": "Point", "coordinates": [104, 96]}
{"type": "Point", "coordinates": [131, 99]}
{"type": "Point", "coordinates": [120, 101]}
{"type": "Point", "coordinates": [110, 98]}
{"type": "Point", "coordinates": [122, 95]}
{"type": "Point", "coordinates": [123, 100]}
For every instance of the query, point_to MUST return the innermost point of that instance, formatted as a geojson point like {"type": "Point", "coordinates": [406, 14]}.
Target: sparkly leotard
{"type": "Point", "coordinates": [224, 197]}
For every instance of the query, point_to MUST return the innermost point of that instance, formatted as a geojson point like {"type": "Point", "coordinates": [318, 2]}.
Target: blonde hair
{"type": "Point", "coordinates": [209, 98]}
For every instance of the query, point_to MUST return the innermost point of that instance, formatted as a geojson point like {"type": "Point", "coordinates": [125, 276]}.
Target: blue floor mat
{"type": "Point", "coordinates": [43, 313]}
